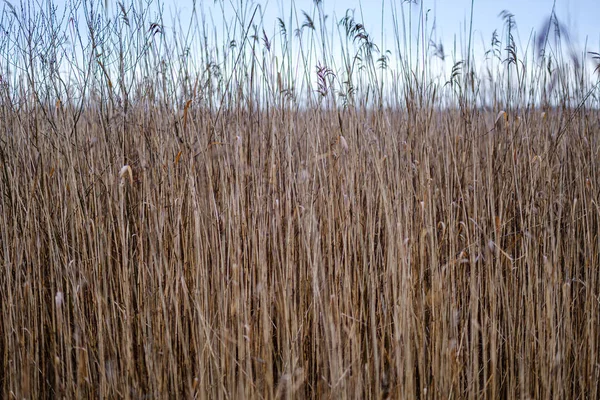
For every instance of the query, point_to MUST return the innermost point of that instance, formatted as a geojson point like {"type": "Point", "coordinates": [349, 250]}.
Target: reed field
{"type": "Point", "coordinates": [221, 206]}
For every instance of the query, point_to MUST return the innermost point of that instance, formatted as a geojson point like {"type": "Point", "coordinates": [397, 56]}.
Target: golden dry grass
{"type": "Point", "coordinates": [290, 252]}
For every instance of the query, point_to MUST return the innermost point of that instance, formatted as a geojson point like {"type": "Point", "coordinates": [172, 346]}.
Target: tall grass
{"type": "Point", "coordinates": [235, 210]}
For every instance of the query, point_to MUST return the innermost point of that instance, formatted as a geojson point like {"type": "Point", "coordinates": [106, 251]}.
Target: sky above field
{"type": "Point", "coordinates": [447, 22]}
{"type": "Point", "coordinates": [451, 17]}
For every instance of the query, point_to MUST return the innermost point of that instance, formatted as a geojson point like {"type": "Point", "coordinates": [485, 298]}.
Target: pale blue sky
{"type": "Point", "coordinates": [451, 17]}
{"type": "Point", "coordinates": [582, 17]}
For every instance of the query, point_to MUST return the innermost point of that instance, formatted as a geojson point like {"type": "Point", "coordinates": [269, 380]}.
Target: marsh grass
{"type": "Point", "coordinates": [211, 227]}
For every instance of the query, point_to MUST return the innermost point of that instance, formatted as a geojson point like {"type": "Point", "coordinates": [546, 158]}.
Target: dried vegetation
{"type": "Point", "coordinates": [186, 219]}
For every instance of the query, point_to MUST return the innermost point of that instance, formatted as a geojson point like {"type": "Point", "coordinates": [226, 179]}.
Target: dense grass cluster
{"type": "Point", "coordinates": [183, 219]}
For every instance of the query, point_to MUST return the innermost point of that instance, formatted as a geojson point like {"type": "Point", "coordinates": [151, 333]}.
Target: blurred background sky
{"type": "Point", "coordinates": [449, 18]}
{"type": "Point", "coordinates": [581, 17]}
{"type": "Point", "coordinates": [447, 23]}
